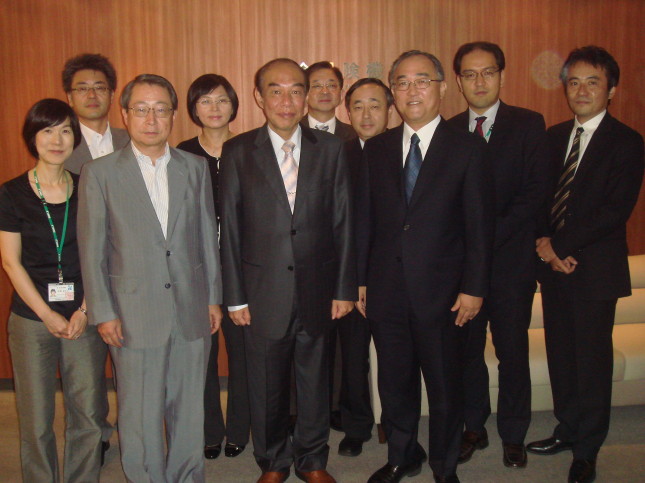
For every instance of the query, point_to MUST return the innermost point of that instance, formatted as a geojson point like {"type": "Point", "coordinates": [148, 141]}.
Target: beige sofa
{"type": "Point", "coordinates": [629, 352]}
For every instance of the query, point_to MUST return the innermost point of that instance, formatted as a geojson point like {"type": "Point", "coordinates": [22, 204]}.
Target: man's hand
{"type": "Point", "coordinates": [361, 304]}
{"type": "Point", "coordinates": [468, 306]}
{"type": "Point", "coordinates": [215, 316]}
{"type": "Point", "coordinates": [544, 249]}
{"type": "Point", "coordinates": [340, 308]}
{"type": "Point", "coordinates": [241, 317]}
{"type": "Point", "coordinates": [111, 333]}
{"type": "Point", "coordinates": [566, 266]}
{"type": "Point", "coordinates": [56, 324]}
{"type": "Point", "coordinates": [77, 324]}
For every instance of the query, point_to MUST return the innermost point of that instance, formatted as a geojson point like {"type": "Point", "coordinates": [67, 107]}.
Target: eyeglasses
{"type": "Point", "coordinates": [100, 90]}
{"type": "Point", "coordinates": [209, 102]}
{"type": "Point", "coordinates": [471, 75]}
{"type": "Point", "coordinates": [404, 85]}
{"type": "Point", "coordinates": [331, 86]}
{"type": "Point", "coordinates": [142, 111]}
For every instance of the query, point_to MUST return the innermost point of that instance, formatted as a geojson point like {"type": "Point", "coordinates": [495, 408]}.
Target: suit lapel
{"type": "Point", "coordinates": [177, 182]}
{"type": "Point", "coordinates": [501, 128]}
{"type": "Point", "coordinates": [595, 146]}
{"type": "Point", "coordinates": [309, 159]}
{"type": "Point", "coordinates": [434, 154]}
{"type": "Point", "coordinates": [264, 158]}
{"type": "Point", "coordinates": [133, 185]}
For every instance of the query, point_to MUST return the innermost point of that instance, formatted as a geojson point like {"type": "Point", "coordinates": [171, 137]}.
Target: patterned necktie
{"type": "Point", "coordinates": [412, 166]}
{"type": "Point", "coordinates": [559, 208]}
{"type": "Point", "coordinates": [289, 170]}
{"type": "Point", "coordinates": [478, 128]}
{"type": "Point", "coordinates": [322, 127]}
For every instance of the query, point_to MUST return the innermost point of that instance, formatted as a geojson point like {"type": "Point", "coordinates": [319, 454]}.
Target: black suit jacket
{"type": "Point", "coordinates": [426, 253]}
{"type": "Point", "coordinates": [603, 194]}
{"type": "Point", "coordinates": [343, 130]}
{"type": "Point", "coordinates": [272, 258]}
{"type": "Point", "coordinates": [354, 153]}
{"type": "Point", "coordinates": [517, 155]}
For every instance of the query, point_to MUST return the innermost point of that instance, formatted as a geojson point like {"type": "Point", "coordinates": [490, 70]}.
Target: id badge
{"type": "Point", "coordinates": [60, 292]}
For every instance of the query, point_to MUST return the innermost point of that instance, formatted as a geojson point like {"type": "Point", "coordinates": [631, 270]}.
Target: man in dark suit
{"type": "Point", "coordinates": [424, 234]}
{"type": "Point", "coordinates": [90, 81]}
{"type": "Point", "coordinates": [148, 246]}
{"type": "Point", "coordinates": [516, 154]}
{"type": "Point", "coordinates": [369, 105]}
{"type": "Point", "coordinates": [289, 265]}
{"type": "Point", "coordinates": [597, 169]}
{"type": "Point", "coordinates": [325, 95]}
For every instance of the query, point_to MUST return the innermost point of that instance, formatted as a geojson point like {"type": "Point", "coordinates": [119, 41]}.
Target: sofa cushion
{"type": "Point", "coordinates": [629, 339]}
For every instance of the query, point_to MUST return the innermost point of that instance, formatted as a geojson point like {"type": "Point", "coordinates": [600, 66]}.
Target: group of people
{"type": "Point", "coordinates": [303, 235]}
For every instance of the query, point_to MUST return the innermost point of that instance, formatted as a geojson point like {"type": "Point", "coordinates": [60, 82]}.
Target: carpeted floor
{"type": "Point", "coordinates": [622, 458]}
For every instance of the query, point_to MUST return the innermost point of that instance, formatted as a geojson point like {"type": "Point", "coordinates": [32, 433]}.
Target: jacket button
{"type": "Point", "coordinates": [406, 227]}
{"type": "Point", "coordinates": [167, 285]}
{"type": "Point", "coordinates": [293, 232]}
{"type": "Point", "coordinates": [290, 268]}
{"type": "Point", "coordinates": [168, 253]}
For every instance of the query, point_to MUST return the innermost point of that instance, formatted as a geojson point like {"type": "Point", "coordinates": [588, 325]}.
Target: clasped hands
{"type": "Point", "coordinates": [546, 253]}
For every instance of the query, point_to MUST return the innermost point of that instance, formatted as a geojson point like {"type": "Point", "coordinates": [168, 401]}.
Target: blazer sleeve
{"type": "Point", "coordinates": [230, 201]}
{"type": "Point", "coordinates": [92, 234]}
{"type": "Point", "coordinates": [363, 219]}
{"type": "Point", "coordinates": [209, 243]}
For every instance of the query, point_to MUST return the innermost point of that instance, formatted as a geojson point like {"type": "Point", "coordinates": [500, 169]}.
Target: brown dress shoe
{"type": "Point", "coordinates": [514, 455]}
{"type": "Point", "coordinates": [470, 441]}
{"type": "Point", "coordinates": [273, 477]}
{"type": "Point", "coordinates": [318, 476]}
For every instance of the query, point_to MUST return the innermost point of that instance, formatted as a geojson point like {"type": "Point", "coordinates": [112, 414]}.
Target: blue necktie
{"type": "Point", "coordinates": [412, 166]}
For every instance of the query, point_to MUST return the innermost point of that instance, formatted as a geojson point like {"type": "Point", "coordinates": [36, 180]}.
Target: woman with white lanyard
{"type": "Point", "coordinates": [48, 323]}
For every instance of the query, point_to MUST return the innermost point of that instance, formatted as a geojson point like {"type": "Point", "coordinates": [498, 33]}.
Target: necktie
{"type": "Point", "coordinates": [412, 166]}
{"type": "Point", "coordinates": [478, 128]}
{"type": "Point", "coordinates": [289, 170]}
{"type": "Point", "coordinates": [564, 183]}
{"type": "Point", "coordinates": [322, 127]}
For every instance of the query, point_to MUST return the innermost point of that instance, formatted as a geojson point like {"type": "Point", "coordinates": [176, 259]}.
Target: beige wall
{"type": "Point", "coordinates": [182, 40]}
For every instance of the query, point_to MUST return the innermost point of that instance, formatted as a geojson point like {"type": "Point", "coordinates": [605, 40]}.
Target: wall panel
{"type": "Point", "coordinates": [182, 40]}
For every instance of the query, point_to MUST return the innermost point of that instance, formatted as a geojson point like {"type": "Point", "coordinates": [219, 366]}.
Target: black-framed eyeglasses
{"type": "Point", "coordinates": [404, 85]}
{"type": "Point", "coordinates": [99, 90]}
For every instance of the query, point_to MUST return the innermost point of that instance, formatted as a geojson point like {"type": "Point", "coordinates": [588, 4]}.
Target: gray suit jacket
{"type": "Point", "coordinates": [130, 271]}
{"type": "Point", "coordinates": [82, 155]}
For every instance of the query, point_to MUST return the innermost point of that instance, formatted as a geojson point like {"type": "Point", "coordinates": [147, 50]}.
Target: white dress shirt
{"type": "Point", "coordinates": [425, 137]}
{"type": "Point", "coordinates": [589, 129]}
{"type": "Point", "coordinates": [331, 124]}
{"type": "Point", "coordinates": [487, 125]}
{"type": "Point", "coordinates": [99, 144]}
{"type": "Point", "coordinates": [156, 178]}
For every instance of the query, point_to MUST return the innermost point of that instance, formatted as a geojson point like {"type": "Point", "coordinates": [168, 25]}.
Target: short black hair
{"type": "Point", "coordinates": [411, 53]}
{"type": "Point", "coordinates": [259, 75]}
{"type": "Point", "coordinates": [95, 62]}
{"type": "Point", "coordinates": [596, 56]}
{"type": "Point", "coordinates": [489, 47]}
{"type": "Point", "coordinates": [48, 113]}
{"type": "Point", "coordinates": [205, 84]}
{"type": "Point", "coordinates": [389, 98]}
{"type": "Point", "coordinates": [152, 79]}
{"type": "Point", "coordinates": [325, 64]}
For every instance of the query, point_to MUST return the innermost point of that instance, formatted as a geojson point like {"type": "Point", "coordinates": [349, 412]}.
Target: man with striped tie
{"type": "Point", "coordinates": [597, 169]}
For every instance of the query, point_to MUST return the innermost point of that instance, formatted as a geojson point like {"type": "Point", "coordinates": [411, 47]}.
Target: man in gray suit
{"type": "Point", "coordinates": [90, 81]}
{"type": "Point", "coordinates": [289, 268]}
{"type": "Point", "coordinates": [149, 255]}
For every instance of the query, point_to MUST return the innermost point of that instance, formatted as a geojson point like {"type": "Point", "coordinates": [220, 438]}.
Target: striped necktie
{"type": "Point", "coordinates": [478, 128]}
{"type": "Point", "coordinates": [559, 208]}
{"type": "Point", "coordinates": [289, 170]}
{"type": "Point", "coordinates": [322, 127]}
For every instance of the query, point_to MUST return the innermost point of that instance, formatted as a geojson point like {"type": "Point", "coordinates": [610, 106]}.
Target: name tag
{"type": "Point", "coordinates": [61, 292]}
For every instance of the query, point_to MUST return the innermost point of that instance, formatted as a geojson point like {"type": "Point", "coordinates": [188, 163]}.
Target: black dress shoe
{"type": "Point", "coordinates": [350, 446]}
{"type": "Point", "coordinates": [470, 441]}
{"type": "Point", "coordinates": [335, 421]}
{"type": "Point", "coordinates": [394, 474]}
{"type": "Point", "coordinates": [212, 451]}
{"type": "Point", "coordinates": [446, 479]}
{"type": "Point", "coordinates": [548, 446]}
{"type": "Point", "coordinates": [105, 446]}
{"type": "Point", "coordinates": [231, 450]}
{"type": "Point", "coordinates": [514, 455]}
{"type": "Point", "coordinates": [582, 471]}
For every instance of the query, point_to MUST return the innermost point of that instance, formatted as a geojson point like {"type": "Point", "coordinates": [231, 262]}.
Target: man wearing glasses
{"type": "Point", "coordinates": [424, 244]}
{"type": "Point", "coordinates": [90, 81]}
{"type": "Point", "coordinates": [148, 243]}
{"type": "Point", "coordinates": [325, 88]}
{"type": "Point", "coordinates": [515, 150]}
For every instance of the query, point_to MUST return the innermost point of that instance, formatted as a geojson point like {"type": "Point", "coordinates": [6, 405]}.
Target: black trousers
{"type": "Point", "coordinates": [269, 364]}
{"type": "Point", "coordinates": [406, 347]}
{"type": "Point", "coordinates": [509, 317]}
{"type": "Point", "coordinates": [579, 347]}
{"type": "Point", "coordinates": [238, 415]}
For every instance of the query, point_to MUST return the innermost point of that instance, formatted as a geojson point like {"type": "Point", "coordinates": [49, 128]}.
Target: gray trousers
{"type": "Point", "coordinates": [36, 354]}
{"type": "Point", "coordinates": [162, 385]}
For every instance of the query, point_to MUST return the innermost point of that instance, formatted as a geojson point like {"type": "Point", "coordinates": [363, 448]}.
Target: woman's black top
{"type": "Point", "coordinates": [21, 211]}
{"type": "Point", "coordinates": [192, 146]}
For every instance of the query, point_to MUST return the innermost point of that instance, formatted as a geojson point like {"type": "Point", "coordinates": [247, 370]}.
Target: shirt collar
{"type": "Point", "coordinates": [144, 160]}
{"type": "Point", "coordinates": [425, 133]}
{"type": "Point", "coordinates": [278, 142]}
{"type": "Point", "coordinates": [490, 114]}
{"type": "Point", "coordinates": [89, 133]}
{"type": "Point", "coordinates": [331, 123]}
{"type": "Point", "coordinates": [592, 124]}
